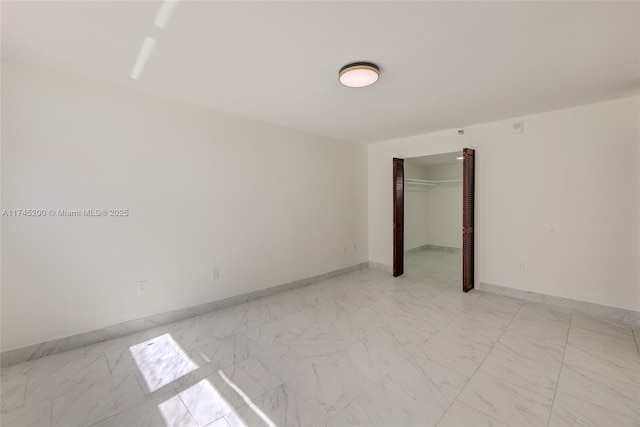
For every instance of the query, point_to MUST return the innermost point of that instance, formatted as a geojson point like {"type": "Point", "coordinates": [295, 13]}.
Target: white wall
{"type": "Point", "coordinates": [264, 204]}
{"type": "Point", "coordinates": [444, 207]}
{"type": "Point", "coordinates": [444, 213]}
{"type": "Point", "coordinates": [416, 222]}
{"type": "Point", "coordinates": [563, 197]}
{"type": "Point", "coordinates": [415, 208]}
{"type": "Point", "coordinates": [433, 215]}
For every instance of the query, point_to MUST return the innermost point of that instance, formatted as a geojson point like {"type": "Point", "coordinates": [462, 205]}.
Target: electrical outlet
{"type": "Point", "coordinates": [215, 273]}
{"type": "Point", "coordinates": [522, 266]}
{"type": "Point", "coordinates": [142, 286]}
{"type": "Point", "coordinates": [354, 247]}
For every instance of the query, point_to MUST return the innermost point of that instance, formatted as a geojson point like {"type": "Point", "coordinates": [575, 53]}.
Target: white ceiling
{"type": "Point", "coordinates": [443, 64]}
{"type": "Point", "coordinates": [436, 159]}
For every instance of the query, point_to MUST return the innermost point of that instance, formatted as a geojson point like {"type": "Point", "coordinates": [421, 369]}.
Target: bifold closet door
{"type": "Point", "coordinates": [468, 212]}
{"type": "Point", "coordinates": [398, 217]}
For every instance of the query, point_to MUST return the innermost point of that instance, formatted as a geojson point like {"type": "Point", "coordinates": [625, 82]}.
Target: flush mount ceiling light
{"type": "Point", "coordinates": [359, 74]}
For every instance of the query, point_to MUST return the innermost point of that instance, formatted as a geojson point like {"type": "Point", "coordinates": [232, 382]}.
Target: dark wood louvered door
{"type": "Point", "coordinates": [398, 217]}
{"type": "Point", "coordinates": [468, 212]}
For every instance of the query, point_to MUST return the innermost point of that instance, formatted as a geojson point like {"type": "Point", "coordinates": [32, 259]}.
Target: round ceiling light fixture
{"type": "Point", "coordinates": [359, 74]}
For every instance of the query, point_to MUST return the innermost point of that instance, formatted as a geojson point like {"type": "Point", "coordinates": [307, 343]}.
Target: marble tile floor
{"type": "Point", "coordinates": [359, 349]}
{"type": "Point", "coordinates": [442, 266]}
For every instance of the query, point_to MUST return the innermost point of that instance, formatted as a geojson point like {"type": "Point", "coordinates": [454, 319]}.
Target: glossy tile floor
{"type": "Point", "coordinates": [360, 349]}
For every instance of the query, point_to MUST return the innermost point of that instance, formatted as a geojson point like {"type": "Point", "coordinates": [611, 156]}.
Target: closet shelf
{"type": "Point", "coordinates": [430, 182]}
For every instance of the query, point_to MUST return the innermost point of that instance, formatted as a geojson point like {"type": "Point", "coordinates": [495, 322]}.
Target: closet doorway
{"type": "Point", "coordinates": [433, 217]}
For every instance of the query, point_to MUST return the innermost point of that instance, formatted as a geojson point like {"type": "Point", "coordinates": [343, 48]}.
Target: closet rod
{"type": "Point", "coordinates": [430, 182]}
